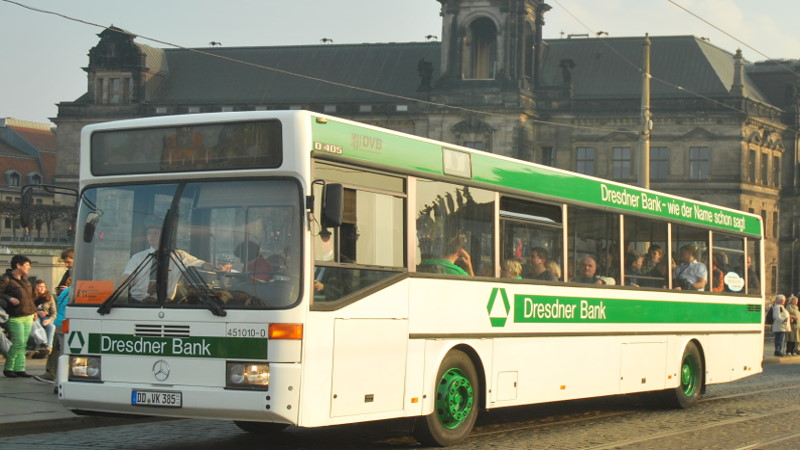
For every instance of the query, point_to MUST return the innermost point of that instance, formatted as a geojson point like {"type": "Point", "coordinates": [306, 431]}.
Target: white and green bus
{"type": "Point", "coordinates": [281, 268]}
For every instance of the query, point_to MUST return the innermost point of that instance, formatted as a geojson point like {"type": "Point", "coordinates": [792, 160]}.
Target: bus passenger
{"type": "Point", "coordinates": [587, 272]}
{"type": "Point", "coordinates": [633, 267]}
{"type": "Point", "coordinates": [658, 277]}
{"type": "Point", "coordinates": [254, 264]}
{"type": "Point", "coordinates": [691, 274]}
{"type": "Point", "coordinates": [554, 268]}
{"type": "Point", "coordinates": [512, 269]}
{"type": "Point", "coordinates": [654, 255]}
{"type": "Point", "coordinates": [538, 258]}
{"type": "Point", "coordinates": [453, 252]}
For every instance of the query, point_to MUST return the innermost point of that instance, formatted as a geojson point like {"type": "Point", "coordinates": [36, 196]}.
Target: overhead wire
{"type": "Point", "coordinates": [652, 77]}
{"type": "Point", "coordinates": [414, 99]}
{"type": "Point", "coordinates": [312, 78]}
{"type": "Point", "coordinates": [707, 22]}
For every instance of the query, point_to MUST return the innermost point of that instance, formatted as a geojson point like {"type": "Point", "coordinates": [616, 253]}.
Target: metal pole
{"type": "Point", "coordinates": [647, 122]}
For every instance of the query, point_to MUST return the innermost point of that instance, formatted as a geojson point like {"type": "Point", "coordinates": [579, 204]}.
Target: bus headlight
{"type": "Point", "coordinates": [84, 368]}
{"type": "Point", "coordinates": [246, 375]}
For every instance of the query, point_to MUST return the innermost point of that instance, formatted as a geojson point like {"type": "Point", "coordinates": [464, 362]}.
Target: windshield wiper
{"type": "Point", "coordinates": [195, 280]}
{"type": "Point", "coordinates": [105, 308]}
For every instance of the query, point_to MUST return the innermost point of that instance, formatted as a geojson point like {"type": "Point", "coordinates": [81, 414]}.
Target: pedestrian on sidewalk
{"type": "Point", "coordinates": [780, 324]}
{"type": "Point", "coordinates": [45, 315]}
{"type": "Point", "coordinates": [17, 295]}
{"type": "Point", "coordinates": [68, 257]}
{"type": "Point", "coordinates": [793, 336]}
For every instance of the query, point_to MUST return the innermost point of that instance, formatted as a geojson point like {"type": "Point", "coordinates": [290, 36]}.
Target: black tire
{"type": "Point", "coordinates": [692, 377]}
{"type": "Point", "coordinates": [262, 428]}
{"type": "Point", "coordinates": [456, 404]}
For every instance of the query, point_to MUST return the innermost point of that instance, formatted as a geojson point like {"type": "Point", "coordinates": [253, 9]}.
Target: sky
{"type": "Point", "coordinates": [43, 54]}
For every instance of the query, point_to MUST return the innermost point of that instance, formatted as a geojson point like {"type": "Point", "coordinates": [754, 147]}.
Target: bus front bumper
{"type": "Point", "coordinates": [279, 404]}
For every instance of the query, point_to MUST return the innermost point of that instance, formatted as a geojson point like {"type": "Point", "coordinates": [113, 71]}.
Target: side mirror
{"type": "Point", "coordinates": [332, 205]}
{"type": "Point", "coordinates": [25, 209]}
{"type": "Point", "coordinates": [90, 227]}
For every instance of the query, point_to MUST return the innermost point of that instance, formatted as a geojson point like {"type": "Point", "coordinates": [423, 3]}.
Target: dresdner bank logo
{"type": "Point", "coordinates": [539, 309]}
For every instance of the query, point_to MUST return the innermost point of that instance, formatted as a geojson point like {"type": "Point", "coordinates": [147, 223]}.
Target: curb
{"type": "Point", "coordinates": [72, 423]}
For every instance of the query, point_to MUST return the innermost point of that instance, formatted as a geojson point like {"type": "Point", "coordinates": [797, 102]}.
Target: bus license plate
{"type": "Point", "coordinates": [169, 399]}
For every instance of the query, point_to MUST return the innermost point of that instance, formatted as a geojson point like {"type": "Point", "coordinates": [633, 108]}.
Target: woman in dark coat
{"type": "Point", "coordinates": [16, 296]}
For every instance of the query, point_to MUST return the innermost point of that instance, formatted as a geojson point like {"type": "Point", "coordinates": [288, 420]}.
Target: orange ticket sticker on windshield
{"type": "Point", "coordinates": [87, 291]}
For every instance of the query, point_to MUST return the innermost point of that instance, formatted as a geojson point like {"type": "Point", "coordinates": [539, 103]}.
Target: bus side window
{"type": "Point", "coordinates": [446, 212]}
{"type": "Point", "coordinates": [647, 239]}
{"type": "Point", "coordinates": [594, 246]}
{"type": "Point", "coordinates": [531, 237]}
{"type": "Point", "coordinates": [690, 244]}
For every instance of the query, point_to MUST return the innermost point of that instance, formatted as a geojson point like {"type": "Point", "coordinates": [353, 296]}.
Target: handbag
{"type": "Point", "coordinates": [5, 343]}
{"type": "Point", "coordinates": [38, 335]}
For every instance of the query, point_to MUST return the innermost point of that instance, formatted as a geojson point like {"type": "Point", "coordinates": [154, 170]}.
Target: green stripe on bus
{"type": "Point", "coordinates": [386, 149]}
{"type": "Point", "coordinates": [195, 347]}
{"type": "Point", "coordinates": [547, 309]}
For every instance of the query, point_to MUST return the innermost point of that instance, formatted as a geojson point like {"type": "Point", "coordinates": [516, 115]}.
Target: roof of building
{"type": "Point", "coordinates": [27, 147]}
{"type": "Point", "coordinates": [605, 68]}
{"type": "Point", "coordinates": [609, 67]}
{"type": "Point", "coordinates": [211, 76]}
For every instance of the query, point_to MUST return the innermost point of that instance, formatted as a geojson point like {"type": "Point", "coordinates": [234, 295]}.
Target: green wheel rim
{"type": "Point", "coordinates": [690, 378]}
{"type": "Point", "coordinates": [454, 398]}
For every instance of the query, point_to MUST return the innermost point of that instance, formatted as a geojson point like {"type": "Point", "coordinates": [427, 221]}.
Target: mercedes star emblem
{"type": "Point", "coordinates": [161, 370]}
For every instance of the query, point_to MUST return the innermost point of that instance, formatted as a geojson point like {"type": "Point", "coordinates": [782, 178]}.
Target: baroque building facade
{"type": "Point", "coordinates": [724, 131]}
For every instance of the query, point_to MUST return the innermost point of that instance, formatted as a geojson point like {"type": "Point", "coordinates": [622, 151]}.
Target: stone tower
{"type": "Point", "coordinates": [490, 55]}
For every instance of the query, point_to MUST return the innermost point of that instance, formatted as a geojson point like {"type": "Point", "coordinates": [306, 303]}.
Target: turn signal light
{"type": "Point", "coordinates": [286, 331]}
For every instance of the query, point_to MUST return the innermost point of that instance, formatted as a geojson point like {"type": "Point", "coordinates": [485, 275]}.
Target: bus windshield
{"type": "Point", "coordinates": [219, 244]}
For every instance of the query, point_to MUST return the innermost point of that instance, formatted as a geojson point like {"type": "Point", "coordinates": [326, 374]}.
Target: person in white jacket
{"type": "Point", "coordinates": [780, 325]}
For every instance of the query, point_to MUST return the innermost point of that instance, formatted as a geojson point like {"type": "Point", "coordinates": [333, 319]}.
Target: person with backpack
{"type": "Point", "coordinates": [780, 325]}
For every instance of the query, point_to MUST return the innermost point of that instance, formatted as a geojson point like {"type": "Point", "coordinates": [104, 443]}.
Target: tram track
{"type": "Point", "coordinates": [479, 433]}
{"type": "Point", "coordinates": [660, 436]}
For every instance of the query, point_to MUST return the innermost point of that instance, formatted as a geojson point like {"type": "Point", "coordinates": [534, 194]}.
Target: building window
{"type": "Point", "coordinates": [115, 91]}
{"type": "Point", "coordinates": [329, 108]}
{"type": "Point", "coordinates": [751, 166]}
{"type": "Point", "coordinates": [401, 108]}
{"type": "Point", "coordinates": [585, 160]}
{"type": "Point", "coordinates": [621, 164]}
{"type": "Point", "coordinates": [365, 108]}
{"type": "Point", "coordinates": [480, 49]}
{"type": "Point", "coordinates": [39, 201]}
{"type": "Point", "coordinates": [775, 231]}
{"type": "Point", "coordinates": [296, 107]}
{"type": "Point", "coordinates": [765, 169]}
{"type": "Point", "coordinates": [477, 145]}
{"type": "Point", "coordinates": [659, 163]}
{"type": "Point", "coordinates": [13, 179]}
{"type": "Point", "coordinates": [161, 109]}
{"type": "Point", "coordinates": [698, 163]}
{"type": "Point", "coordinates": [261, 108]}
{"type": "Point", "coordinates": [548, 156]}
{"type": "Point", "coordinates": [776, 171]}
{"type": "Point", "coordinates": [227, 109]}
{"type": "Point", "coordinates": [194, 109]}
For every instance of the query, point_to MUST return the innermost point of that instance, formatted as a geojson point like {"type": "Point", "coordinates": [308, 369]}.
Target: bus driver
{"type": "Point", "coordinates": [143, 287]}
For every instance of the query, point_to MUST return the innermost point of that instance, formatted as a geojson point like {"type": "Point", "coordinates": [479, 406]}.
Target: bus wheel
{"type": "Point", "coordinates": [687, 394]}
{"type": "Point", "coordinates": [456, 404]}
{"type": "Point", "coordinates": [264, 428]}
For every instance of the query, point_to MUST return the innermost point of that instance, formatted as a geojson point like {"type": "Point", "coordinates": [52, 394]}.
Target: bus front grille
{"type": "Point", "coordinates": [150, 330]}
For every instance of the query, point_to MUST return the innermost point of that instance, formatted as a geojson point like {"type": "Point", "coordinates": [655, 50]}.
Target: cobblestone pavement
{"type": "Point", "coordinates": [731, 416]}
